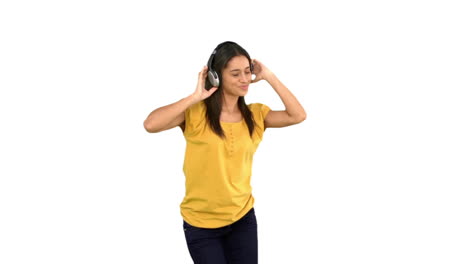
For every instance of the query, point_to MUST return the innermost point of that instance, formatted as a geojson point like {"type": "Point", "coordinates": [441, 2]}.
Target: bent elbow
{"type": "Point", "coordinates": [301, 118]}
{"type": "Point", "coordinates": [149, 128]}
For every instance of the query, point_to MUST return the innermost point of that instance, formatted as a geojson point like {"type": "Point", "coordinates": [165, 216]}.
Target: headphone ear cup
{"type": "Point", "coordinates": [251, 72]}
{"type": "Point", "coordinates": [213, 78]}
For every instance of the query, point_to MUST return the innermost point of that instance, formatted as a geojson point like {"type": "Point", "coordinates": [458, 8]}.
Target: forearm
{"type": "Point", "coordinates": [162, 117]}
{"type": "Point", "coordinates": [293, 107]}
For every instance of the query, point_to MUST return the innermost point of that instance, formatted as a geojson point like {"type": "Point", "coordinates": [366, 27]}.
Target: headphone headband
{"type": "Point", "coordinates": [212, 75]}
{"type": "Point", "coordinates": [210, 60]}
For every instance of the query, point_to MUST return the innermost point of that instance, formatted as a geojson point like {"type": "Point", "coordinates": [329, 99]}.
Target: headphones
{"type": "Point", "coordinates": [212, 74]}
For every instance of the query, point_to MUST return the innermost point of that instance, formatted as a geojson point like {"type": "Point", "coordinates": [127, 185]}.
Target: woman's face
{"type": "Point", "coordinates": [237, 76]}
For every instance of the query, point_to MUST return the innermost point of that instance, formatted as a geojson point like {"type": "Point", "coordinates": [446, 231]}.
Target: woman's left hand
{"type": "Point", "coordinates": [261, 71]}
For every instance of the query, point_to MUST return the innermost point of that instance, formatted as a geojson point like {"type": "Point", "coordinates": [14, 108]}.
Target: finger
{"type": "Point", "coordinates": [203, 72]}
{"type": "Point", "coordinates": [201, 78]}
{"type": "Point", "coordinates": [203, 69]}
{"type": "Point", "coordinates": [257, 68]}
{"type": "Point", "coordinates": [212, 90]}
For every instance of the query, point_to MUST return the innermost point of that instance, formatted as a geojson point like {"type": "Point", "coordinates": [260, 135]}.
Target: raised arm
{"type": "Point", "coordinates": [172, 115]}
{"type": "Point", "coordinates": [294, 112]}
{"type": "Point", "coordinates": [168, 116]}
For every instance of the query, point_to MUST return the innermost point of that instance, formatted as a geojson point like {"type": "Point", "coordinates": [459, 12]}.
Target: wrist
{"type": "Point", "coordinates": [192, 99]}
{"type": "Point", "coordinates": [270, 77]}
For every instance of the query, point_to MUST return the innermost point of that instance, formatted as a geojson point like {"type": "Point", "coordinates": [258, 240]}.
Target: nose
{"type": "Point", "coordinates": [244, 78]}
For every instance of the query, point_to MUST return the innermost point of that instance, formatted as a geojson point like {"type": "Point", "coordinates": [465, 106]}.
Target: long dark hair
{"type": "Point", "coordinates": [224, 52]}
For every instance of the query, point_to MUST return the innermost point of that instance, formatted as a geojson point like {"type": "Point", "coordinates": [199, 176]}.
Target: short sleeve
{"type": "Point", "coordinates": [194, 118]}
{"type": "Point", "coordinates": [259, 112]}
{"type": "Point", "coordinates": [264, 109]}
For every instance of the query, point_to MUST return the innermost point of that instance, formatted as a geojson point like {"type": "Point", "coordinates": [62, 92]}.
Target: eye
{"type": "Point", "coordinates": [237, 74]}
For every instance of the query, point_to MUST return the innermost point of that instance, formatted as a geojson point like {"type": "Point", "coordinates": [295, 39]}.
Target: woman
{"type": "Point", "coordinates": [222, 134]}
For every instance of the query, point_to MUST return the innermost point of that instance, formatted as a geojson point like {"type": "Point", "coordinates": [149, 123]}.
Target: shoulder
{"type": "Point", "coordinates": [196, 109]}
{"type": "Point", "coordinates": [259, 110]}
{"type": "Point", "coordinates": [194, 118]}
{"type": "Point", "coordinates": [195, 113]}
{"type": "Point", "coordinates": [198, 106]}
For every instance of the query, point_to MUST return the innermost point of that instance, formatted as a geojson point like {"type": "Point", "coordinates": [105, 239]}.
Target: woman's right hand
{"type": "Point", "coordinates": [201, 93]}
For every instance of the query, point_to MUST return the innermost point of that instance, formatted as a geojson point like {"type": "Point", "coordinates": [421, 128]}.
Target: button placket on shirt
{"type": "Point", "coordinates": [231, 145]}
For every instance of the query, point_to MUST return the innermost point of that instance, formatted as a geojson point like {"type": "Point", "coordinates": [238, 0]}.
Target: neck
{"type": "Point", "coordinates": [230, 103]}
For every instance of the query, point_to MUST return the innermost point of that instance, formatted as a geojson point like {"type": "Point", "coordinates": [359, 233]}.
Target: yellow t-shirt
{"type": "Point", "coordinates": [217, 171]}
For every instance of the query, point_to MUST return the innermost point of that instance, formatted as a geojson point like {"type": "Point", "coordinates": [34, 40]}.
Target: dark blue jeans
{"type": "Point", "coordinates": [233, 244]}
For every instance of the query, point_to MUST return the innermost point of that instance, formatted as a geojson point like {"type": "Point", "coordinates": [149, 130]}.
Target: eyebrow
{"type": "Point", "coordinates": [239, 70]}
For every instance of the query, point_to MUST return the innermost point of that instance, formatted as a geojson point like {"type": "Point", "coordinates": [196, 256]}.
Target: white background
{"type": "Point", "coordinates": [376, 174]}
